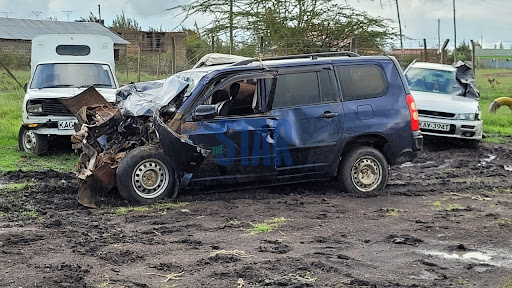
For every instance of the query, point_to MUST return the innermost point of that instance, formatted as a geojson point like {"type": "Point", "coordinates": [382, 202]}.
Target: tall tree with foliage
{"type": "Point", "coordinates": [463, 51]}
{"type": "Point", "coordinates": [297, 25]}
{"type": "Point", "coordinates": [125, 23]}
{"type": "Point", "coordinates": [90, 18]}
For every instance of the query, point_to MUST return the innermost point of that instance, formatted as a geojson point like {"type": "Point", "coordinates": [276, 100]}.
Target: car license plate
{"type": "Point", "coordinates": [66, 125]}
{"type": "Point", "coordinates": [435, 126]}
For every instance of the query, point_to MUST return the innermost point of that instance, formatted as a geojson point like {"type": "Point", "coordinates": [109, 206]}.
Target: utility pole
{"type": "Point", "coordinates": [99, 13]}
{"type": "Point", "coordinates": [454, 35]}
{"type": "Point", "coordinates": [67, 12]}
{"type": "Point", "coordinates": [36, 13]}
{"type": "Point", "coordinates": [439, 33]}
{"type": "Point", "coordinates": [400, 27]}
{"type": "Point", "coordinates": [7, 14]}
{"type": "Point", "coordinates": [230, 26]}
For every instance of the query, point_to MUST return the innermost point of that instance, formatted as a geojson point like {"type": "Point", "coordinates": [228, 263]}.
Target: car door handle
{"type": "Point", "coordinates": [328, 115]}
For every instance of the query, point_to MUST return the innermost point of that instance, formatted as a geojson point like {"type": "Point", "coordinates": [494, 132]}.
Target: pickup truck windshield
{"type": "Point", "coordinates": [56, 75]}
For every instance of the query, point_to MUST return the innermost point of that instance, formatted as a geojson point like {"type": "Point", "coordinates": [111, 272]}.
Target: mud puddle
{"type": "Point", "coordinates": [314, 236]}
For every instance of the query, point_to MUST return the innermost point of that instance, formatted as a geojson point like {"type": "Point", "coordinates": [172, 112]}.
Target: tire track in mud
{"type": "Point", "coordinates": [325, 238]}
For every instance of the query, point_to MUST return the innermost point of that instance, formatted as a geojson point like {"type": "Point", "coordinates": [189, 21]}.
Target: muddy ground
{"type": "Point", "coordinates": [445, 220]}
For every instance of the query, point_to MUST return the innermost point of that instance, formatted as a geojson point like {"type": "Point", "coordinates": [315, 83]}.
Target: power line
{"type": "Point", "coordinates": [68, 12]}
{"type": "Point", "coordinates": [36, 13]}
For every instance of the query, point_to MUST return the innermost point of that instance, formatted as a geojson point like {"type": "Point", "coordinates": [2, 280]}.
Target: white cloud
{"type": "Point", "coordinates": [475, 18]}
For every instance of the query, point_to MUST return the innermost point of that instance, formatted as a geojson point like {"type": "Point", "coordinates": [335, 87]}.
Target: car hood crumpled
{"type": "Point", "coordinates": [444, 102]}
{"type": "Point", "coordinates": [106, 132]}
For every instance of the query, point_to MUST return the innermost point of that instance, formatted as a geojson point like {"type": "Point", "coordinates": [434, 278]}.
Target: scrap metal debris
{"type": "Point", "coordinates": [106, 132]}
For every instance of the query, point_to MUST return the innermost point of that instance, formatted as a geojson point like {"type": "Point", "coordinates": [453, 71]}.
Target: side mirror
{"type": "Point", "coordinates": [205, 111]}
{"type": "Point", "coordinates": [25, 86]}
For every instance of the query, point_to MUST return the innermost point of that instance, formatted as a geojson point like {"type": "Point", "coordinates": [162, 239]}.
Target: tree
{"type": "Point", "coordinates": [297, 25]}
{"type": "Point", "coordinates": [225, 13]}
{"type": "Point", "coordinates": [125, 23]}
{"type": "Point", "coordinates": [90, 18]}
{"type": "Point", "coordinates": [463, 51]}
{"type": "Point", "coordinates": [197, 47]}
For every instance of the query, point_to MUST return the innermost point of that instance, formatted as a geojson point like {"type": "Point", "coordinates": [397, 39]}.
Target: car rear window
{"type": "Point", "coordinates": [361, 81]}
{"type": "Point", "coordinates": [296, 89]}
{"type": "Point", "coordinates": [305, 88]}
{"type": "Point", "coordinates": [73, 50]}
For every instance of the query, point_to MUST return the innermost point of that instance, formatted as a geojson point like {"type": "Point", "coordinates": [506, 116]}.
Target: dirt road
{"type": "Point", "coordinates": [445, 220]}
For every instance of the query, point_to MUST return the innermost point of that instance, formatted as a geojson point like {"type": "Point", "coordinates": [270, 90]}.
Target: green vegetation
{"type": "Point", "coordinates": [267, 225]}
{"type": "Point", "coordinates": [13, 187]}
{"type": "Point", "coordinates": [158, 207]}
{"type": "Point", "coordinates": [11, 99]}
{"type": "Point", "coordinates": [447, 207]}
{"type": "Point", "coordinates": [499, 124]}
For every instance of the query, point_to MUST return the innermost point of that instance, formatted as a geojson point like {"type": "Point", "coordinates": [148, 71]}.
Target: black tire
{"type": "Point", "coordinates": [364, 171]}
{"type": "Point", "coordinates": [31, 142]}
{"type": "Point", "coordinates": [471, 144]}
{"type": "Point", "coordinates": [145, 175]}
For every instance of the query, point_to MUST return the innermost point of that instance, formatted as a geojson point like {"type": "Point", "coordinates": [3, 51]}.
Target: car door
{"type": "Point", "coordinates": [238, 139]}
{"type": "Point", "coordinates": [310, 121]}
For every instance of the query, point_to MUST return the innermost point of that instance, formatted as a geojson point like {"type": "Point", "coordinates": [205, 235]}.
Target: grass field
{"type": "Point", "coordinates": [500, 123]}
{"type": "Point", "coordinates": [496, 126]}
{"type": "Point", "coordinates": [11, 100]}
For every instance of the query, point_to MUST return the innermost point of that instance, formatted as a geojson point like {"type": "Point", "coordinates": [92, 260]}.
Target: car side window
{"type": "Point", "coordinates": [361, 81]}
{"type": "Point", "coordinates": [296, 89]}
{"type": "Point", "coordinates": [236, 98]}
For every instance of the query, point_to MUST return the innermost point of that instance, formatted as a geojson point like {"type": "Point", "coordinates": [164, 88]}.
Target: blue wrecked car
{"type": "Point", "coordinates": [254, 122]}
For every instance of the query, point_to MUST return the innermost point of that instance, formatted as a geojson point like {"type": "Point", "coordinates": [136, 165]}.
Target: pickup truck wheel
{"type": "Point", "coordinates": [363, 170]}
{"type": "Point", "coordinates": [31, 142]}
{"type": "Point", "coordinates": [145, 175]}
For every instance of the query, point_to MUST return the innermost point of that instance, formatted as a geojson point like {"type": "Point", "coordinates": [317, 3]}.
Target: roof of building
{"type": "Point", "coordinates": [493, 52]}
{"type": "Point", "coordinates": [26, 29]}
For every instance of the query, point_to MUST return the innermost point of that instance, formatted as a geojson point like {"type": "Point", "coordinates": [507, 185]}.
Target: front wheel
{"type": "Point", "coordinates": [31, 142]}
{"type": "Point", "coordinates": [363, 170]}
{"type": "Point", "coordinates": [145, 175]}
{"type": "Point", "coordinates": [471, 143]}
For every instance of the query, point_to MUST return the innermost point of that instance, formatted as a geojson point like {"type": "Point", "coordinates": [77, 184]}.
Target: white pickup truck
{"type": "Point", "coordinates": [62, 66]}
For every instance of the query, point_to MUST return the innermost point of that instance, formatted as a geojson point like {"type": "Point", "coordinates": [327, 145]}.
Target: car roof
{"type": "Point", "coordinates": [257, 65]}
{"type": "Point", "coordinates": [435, 66]}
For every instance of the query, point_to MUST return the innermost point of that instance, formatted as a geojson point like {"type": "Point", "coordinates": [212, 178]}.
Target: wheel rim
{"type": "Point", "coordinates": [29, 141]}
{"type": "Point", "coordinates": [150, 178]}
{"type": "Point", "coordinates": [366, 173]}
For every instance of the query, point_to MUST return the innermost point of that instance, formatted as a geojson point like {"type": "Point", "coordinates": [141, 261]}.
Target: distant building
{"type": "Point", "coordinates": [417, 53]}
{"type": "Point", "coordinates": [16, 34]}
{"type": "Point", "coordinates": [157, 43]}
{"type": "Point", "coordinates": [493, 58]}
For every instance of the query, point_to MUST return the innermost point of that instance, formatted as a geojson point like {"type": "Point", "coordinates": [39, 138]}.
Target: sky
{"type": "Point", "coordinates": [487, 20]}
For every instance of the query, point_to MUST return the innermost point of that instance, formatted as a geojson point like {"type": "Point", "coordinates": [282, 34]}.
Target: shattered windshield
{"type": "Point", "coordinates": [56, 75]}
{"type": "Point", "coordinates": [192, 78]}
{"type": "Point", "coordinates": [430, 80]}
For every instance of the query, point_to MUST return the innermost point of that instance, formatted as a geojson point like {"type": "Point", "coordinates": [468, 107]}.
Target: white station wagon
{"type": "Point", "coordinates": [447, 101]}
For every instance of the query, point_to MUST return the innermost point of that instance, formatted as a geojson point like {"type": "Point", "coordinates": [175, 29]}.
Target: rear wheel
{"type": "Point", "coordinates": [363, 170]}
{"type": "Point", "coordinates": [145, 175]}
{"type": "Point", "coordinates": [31, 142]}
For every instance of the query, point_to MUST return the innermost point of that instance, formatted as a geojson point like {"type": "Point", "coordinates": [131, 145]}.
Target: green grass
{"type": "Point", "coordinates": [267, 225]}
{"type": "Point", "coordinates": [496, 124]}
{"type": "Point", "coordinates": [159, 207]}
{"type": "Point", "coordinates": [447, 207]}
{"type": "Point", "coordinates": [11, 100]}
